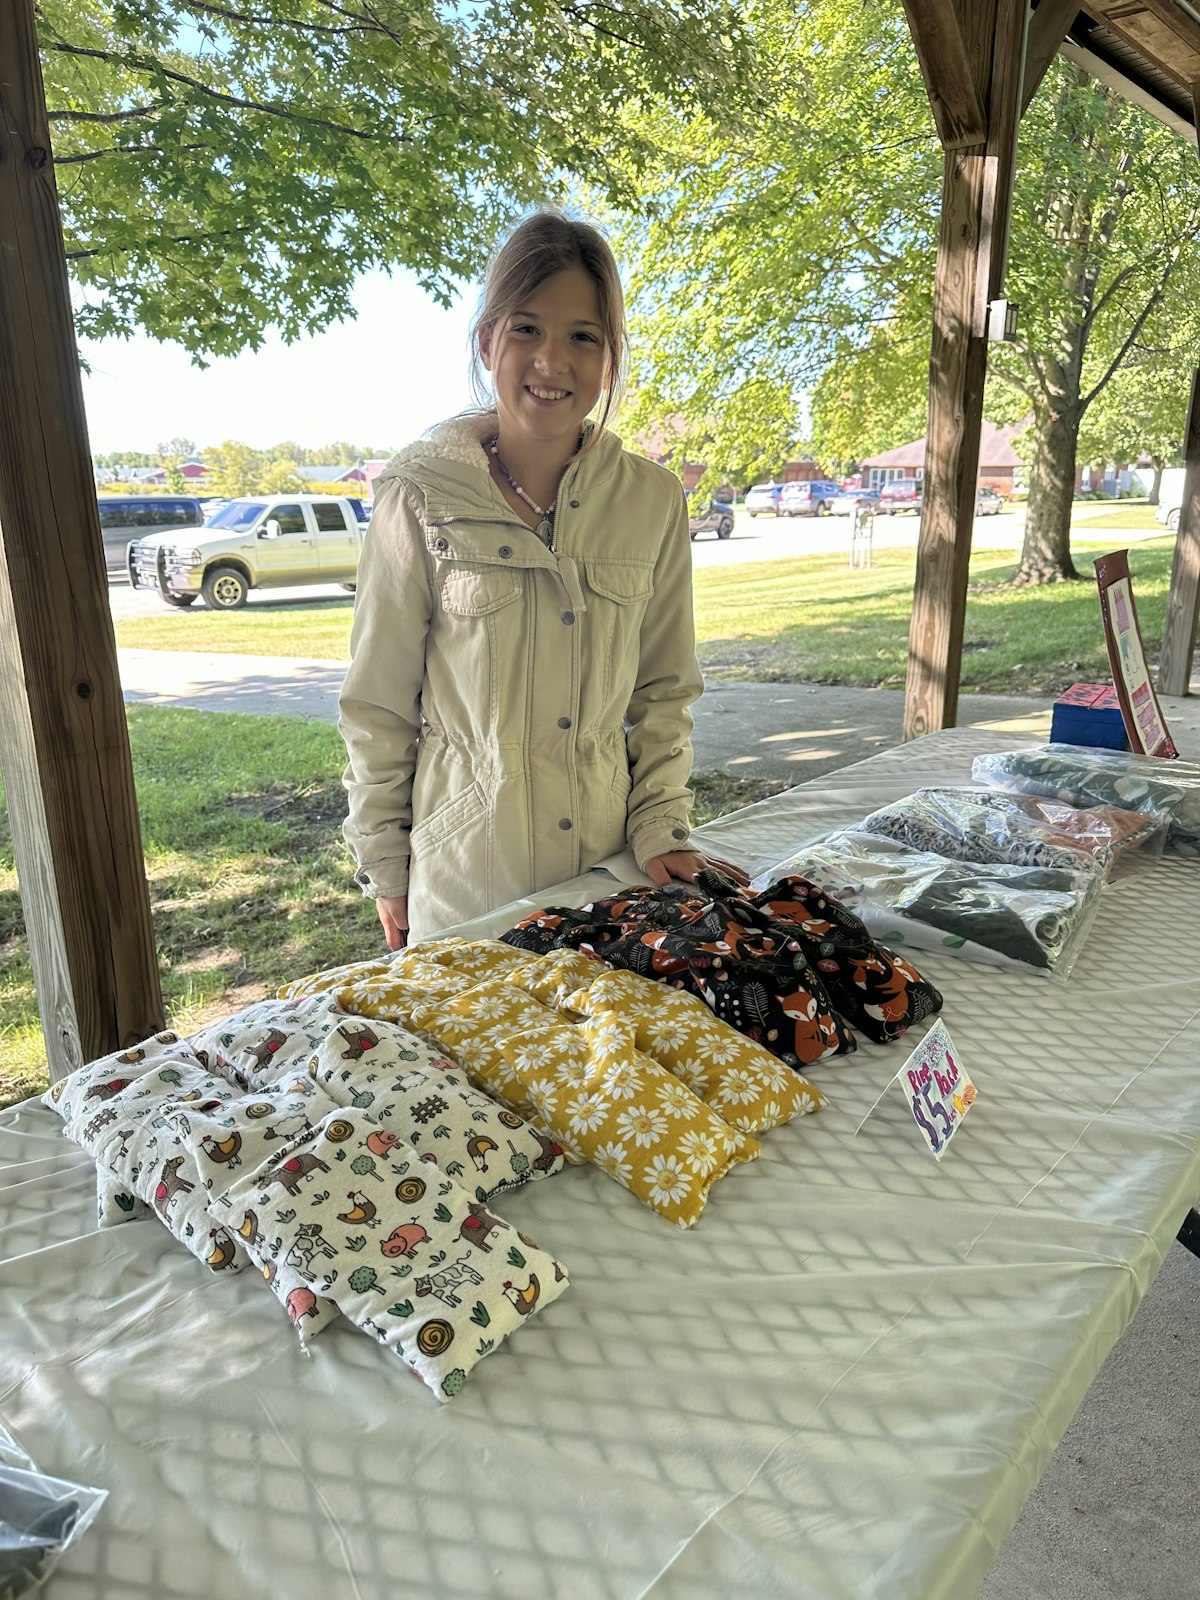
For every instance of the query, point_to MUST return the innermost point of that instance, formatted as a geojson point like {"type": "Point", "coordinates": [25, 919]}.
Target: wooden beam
{"type": "Point", "coordinates": [64, 743]}
{"type": "Point", "coordinates": [972, 247]}
{"type": "Point", "coordinates": [950, 83]}
{"type": "Point", "coordinates": [1047, 29]}
{"type": "Point", "coordinates": [1183, 597]}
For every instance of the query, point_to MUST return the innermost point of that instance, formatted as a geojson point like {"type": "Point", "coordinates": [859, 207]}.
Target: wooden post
{"type": "Point", "coordinates": [1183, 597]}
{"type": "Point", "coordinates": [64, 744]}
{"type": "Point", "coordinates": [972, 249]}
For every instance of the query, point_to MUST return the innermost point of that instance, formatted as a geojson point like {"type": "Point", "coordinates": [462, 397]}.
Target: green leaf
{"type": "Point", "coordinates": [480, 1314]}
{"type": "Point", "coordinates": [515, 1258]}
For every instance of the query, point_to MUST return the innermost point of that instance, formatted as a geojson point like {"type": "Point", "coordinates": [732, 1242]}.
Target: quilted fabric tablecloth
{"type": "Point", "coordinates": [843, 1383]}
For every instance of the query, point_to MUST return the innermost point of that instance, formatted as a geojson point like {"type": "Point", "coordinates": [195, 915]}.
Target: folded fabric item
{"type": "Point", "coordinates": [583, 1080]}
{"type": "Point", "coordinates": [430, 1273]}
{"type": "Point", "coordinates": [410, 1088]}
{"type": "Point", "coordinates": [858, 868]}
{"type": "Point", "coordinates": [744, 1084]}
{"type": "Point", "coordinates": [598, 1095]}
{"type": "Point", "coordinates": [876, 989]}
{"type": "Point", "coordinates": [710, 945]}
{"type": "Point", "coordinates": [1081, 776]}
{"type": "Point", "coordinates": [994, 825]}
{"type": "Point", "coordinates": [1036, 916]}
{"type": "Point", "coordinates": [257, 1046]}
{"type": "Point", "coordinates": [133, 1137]}
{"type": "Point", "coordinates": [98, 1081]}
{"type": "Point", "coordinates": [116, 1201]}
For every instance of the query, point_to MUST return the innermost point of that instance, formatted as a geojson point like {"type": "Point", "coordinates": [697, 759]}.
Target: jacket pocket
{"type": "Point", "coordinates": [623, 582]}
{"type": "Point", "coordinates": [467, 593]}
{"type": "Point", "coordinates": [449, 817]}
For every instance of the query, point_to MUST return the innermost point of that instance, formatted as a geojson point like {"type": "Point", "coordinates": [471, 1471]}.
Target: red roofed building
{"type": "Point", "coordinates": [997, 460]}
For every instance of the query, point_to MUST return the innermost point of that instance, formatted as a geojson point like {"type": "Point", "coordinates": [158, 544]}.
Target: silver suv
{"type": "Point", "coordinates": [810, 498]}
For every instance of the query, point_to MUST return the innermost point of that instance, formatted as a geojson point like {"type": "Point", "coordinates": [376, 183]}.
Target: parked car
{"type": "Point", "coordinates": [901, 494]}
{"type": "Point", "coordinates": [844, 505]}
{"type": "Point", "coordinates": [1170, 498]}
{"type": "Point", "coordinates": [714, 517]}
{"type": "Point", "coordinates": [808, 498]}
{"type": "Point", "coordinates": [763, 497]}
{"type": "Point", "coordinates": [264, 541]}
{"type": "Point", "coordinates": [136, 516]}
{"type": "Point", "coordinates": [987, 502]}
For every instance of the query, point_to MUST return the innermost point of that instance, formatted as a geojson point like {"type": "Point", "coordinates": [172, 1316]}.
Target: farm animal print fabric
{"type": "Point", "coordinates": [783, 967]}
{"type": "Point", "coordinates": [170, 1136]}
{"type": "Point", "coordinates": [659, 1101]}
{"type": "Point", "coordinates": [413, 1090]}
{"type": "Point", "coordinates": [418, 1264]}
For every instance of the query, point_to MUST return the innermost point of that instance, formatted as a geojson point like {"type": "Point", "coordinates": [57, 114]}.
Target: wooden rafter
{"type": "Point", "coordinates": [950, 81]}
{"type": "Point", "coordinates": [1047, 29]}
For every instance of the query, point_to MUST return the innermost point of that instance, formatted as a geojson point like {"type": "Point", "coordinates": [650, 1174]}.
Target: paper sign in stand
{"type": "Point", "coordinates": [936, 1089]}
{"type": "Point", "coordinates": [1144, 721]}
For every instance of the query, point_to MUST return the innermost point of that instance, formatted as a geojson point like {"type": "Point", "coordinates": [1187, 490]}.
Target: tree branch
{"type": "Point", "coordinates": [359, 25]}
{"type": "Point", "coordinates": [159, 70]}
{"type": "Point", "coordinates": [104, 116]}
{"type": "Point", "coordinates": [126, 150]}
{"type": "Point", "coordinates": [1131, 337]}
{"type": "Point", "coordinates": [186, 238]}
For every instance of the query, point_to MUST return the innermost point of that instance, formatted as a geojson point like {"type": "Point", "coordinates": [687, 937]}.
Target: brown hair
{"type": "Point", "coordinates": [541, 246]}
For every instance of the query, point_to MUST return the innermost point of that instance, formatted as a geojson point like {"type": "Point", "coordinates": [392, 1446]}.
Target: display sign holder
{"type": "Point", "coordinates": [1140, 710]}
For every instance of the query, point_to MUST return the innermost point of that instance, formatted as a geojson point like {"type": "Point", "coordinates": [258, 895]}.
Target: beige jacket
{"type": "Point", "coordinates": [513, 715]}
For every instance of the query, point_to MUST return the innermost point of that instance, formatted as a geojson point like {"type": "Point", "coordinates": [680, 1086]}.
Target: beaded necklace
{"type": "Point", "coordinates": [545, 527]}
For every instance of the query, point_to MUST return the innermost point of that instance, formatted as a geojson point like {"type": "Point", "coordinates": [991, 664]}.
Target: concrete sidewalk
{"type": "Point", "coordinates": [753, 730]}
{"type": "Point", "coordinates": [1116, 1513]}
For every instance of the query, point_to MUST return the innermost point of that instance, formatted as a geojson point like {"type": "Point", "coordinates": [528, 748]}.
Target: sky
{"type": "Point", "coordinates": [378, 381]}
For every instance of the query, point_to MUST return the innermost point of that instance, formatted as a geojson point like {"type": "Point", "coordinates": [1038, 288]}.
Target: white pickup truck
{"type": "Point", "coordinates": [261, 542]}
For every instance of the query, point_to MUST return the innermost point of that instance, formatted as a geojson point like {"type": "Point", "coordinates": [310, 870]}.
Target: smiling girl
{"type": "Point", "coordinates": [523, 660]}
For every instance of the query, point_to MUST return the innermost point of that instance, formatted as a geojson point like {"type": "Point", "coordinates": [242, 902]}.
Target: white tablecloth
{"type": "Point", "coordinates": [844, 1382]}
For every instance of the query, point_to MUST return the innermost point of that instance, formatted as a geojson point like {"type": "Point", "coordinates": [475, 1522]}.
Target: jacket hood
{"type": "Point", "coordinates": [449, 464]}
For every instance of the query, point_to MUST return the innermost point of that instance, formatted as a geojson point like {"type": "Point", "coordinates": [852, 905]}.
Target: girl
{"type": "Point", "coordinates": [516, 708]}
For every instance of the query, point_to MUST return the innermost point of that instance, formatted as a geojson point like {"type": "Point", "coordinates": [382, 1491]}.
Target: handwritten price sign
{"type": "Point", "coordinates": [937, 1088]}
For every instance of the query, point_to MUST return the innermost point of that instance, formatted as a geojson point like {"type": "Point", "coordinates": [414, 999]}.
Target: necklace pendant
{"type": "Point", "coordinates": [544, 529]}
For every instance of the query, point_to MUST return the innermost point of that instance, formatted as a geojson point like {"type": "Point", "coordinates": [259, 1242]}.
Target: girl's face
{"type": "Point", "coordinates": [548, 361]}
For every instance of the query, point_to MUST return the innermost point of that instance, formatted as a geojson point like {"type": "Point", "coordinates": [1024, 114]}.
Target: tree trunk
{"type": "Point", "coordinates": [1156, 488]}
{"type": "Point", "coordinates": [1046, 552]}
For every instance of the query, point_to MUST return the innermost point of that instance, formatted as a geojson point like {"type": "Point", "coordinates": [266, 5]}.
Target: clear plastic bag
{"type": "Point", "coordinates": [1081, 776]}
{"type": "Point", "coordinates": [40, 1518]}
{"type": "Point", "coordinates": [991, 826]}
{"type": "Point", "coordinates": [1032, 918]}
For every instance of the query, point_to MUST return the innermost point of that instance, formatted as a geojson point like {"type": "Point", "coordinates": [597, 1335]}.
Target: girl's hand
{"type": "Point", "coordinates": [393, 914]}
{"type": "Point", "coordinates": [684, 865]}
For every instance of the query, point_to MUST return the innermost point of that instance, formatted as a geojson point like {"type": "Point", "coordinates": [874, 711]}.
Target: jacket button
{"type": "Point", "coordinates": [568, 617]}
{"type": "Point", "coordinates": [441, 544]}
{"type": "Point", "coordinates": [679, 833]}
{"type": "Point", "coordinates": [564, 722]}
{"type": "Point", "coordinates": [574, 505]}
{"type": "Point", "coordinates": [505, 551]}
{"type": "Point", "coordinates": [565, 824]}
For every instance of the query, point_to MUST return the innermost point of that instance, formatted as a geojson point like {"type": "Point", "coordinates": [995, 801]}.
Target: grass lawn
{"type": "Point", "coordinates": [816, 621]}
{"type": "Point", "coordinates": [250, 883]}
{"type": "Point", "coordinates": [808, 620]}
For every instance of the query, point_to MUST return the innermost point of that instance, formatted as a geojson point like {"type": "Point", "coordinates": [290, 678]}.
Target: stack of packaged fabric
{"type": "Point", "coordinates": [1006, 877]}
{"type": "Point", "coordinates": [1080, 776]}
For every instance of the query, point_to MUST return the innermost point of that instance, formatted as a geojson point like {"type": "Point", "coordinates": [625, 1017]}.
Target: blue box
{"type": "Point", "coordinates": [1089, 714]}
